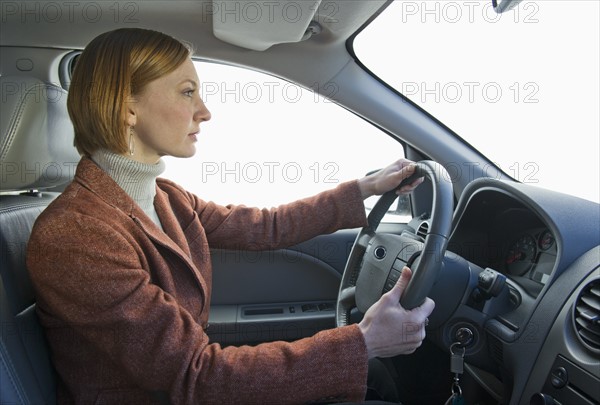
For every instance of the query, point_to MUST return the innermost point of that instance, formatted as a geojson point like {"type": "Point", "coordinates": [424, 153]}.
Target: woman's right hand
{"type": "Point", "coordinates": [389, 329]}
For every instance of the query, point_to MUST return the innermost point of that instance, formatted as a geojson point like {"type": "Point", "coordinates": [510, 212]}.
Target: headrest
{"type": "Point", "coordinates": [36, 135]}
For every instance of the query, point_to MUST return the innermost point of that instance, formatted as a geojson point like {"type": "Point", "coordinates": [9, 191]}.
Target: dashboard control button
{"type": "Point", "coordinates": [541, 399]}
{"type": "Point", "coordinates": [309, 308]}
{"type": "Point", "coordinates": [559, 377]}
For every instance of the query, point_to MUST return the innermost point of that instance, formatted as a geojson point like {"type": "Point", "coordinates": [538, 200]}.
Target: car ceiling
{"type": "Point", "coordinates": [192, 21]}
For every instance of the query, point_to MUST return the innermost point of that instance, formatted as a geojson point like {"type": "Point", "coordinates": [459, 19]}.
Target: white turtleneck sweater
{"type": "Point", "coordinates": [137, 179]}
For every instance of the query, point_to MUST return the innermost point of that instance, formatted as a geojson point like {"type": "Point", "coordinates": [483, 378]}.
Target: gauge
{"type": "Point", "coordinates": [521, 255]}
{"type": "Point", "coordinates": [546, 240]}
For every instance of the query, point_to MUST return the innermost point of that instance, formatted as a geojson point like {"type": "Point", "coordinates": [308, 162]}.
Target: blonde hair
{"type": "Point", "coordinates": [114, 67]}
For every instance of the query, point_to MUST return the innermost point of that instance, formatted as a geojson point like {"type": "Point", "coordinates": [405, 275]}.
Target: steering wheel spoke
{"type": "Point", "coordinates": [348, 297]}
{"type": "Point", "coordinates": [364, 238]}
{"type": "Point", "coordinates": [345, 303]}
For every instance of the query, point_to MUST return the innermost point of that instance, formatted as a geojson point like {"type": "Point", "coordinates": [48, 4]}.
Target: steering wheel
{"type": "Point", "coordinates": [376, 259]}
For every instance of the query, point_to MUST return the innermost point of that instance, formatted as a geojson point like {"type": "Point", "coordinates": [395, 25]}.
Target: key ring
{"type": "Point", "coordinates": [458, 345]}
{"type": "Point", "coordinates": [456, 390]}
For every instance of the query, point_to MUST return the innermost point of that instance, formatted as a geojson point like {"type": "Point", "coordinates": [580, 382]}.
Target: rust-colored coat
{"type": "Point", "coordinates": [124, 304]}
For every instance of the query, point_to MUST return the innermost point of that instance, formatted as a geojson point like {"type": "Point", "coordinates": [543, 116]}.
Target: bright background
{"type": "Point", "coordinates": [522, 87]}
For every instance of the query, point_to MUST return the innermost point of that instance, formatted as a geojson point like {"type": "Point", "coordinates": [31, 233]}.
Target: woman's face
{"type": "Point", "coordinates": [166, 116]}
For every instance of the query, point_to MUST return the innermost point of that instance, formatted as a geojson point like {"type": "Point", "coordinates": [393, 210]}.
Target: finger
{"type": "Point", "coordinates": [408, 170]}
{"type": "Point", "coordinates": [426, 308]}
{"type": "Point", "coordinates": [410, 187]}
{"type": "Point", "coordinates": [402, 170]}
{"type": "Point", "coordinates": [405, 173]}
{"type": "Point", "coordinates": [401, 163]}
{"type": "Point", "coordinates": [401, 284]}
{"type": "Point", "coordinates": [394, 177]}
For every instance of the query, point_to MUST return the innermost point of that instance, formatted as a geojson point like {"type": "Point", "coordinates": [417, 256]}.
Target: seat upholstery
{"type": "Point", "coordinates": [36, 155]}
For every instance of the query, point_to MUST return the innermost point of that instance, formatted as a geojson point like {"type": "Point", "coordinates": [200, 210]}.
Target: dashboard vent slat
{"type": "Point", "coordinates": [592, 302]}
{"type": "Point", "coordinates": [587, 326]}
{"type": "Point", "coordinates": [587, 316]}
{"type": "Point", "coordinates": [590, 316]}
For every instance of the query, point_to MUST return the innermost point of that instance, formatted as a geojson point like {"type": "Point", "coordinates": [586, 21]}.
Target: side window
{"type": "Point", "coordinates": [271, 142]}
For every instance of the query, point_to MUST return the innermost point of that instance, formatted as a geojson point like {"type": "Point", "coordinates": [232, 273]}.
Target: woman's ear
{"type": "Point", "coordinates": [130, 113]}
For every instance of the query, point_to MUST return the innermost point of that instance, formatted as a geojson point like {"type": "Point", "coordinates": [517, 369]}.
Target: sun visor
{"type": "Point", "coordinates": [260, 25]}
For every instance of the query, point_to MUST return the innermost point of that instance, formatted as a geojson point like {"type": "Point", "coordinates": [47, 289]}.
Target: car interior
{"type": "Point", "coordinates": [514, 269]}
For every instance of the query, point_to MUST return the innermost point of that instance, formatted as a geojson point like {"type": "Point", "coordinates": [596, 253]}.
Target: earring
{"type": "Point", "coordinates": [131, 145]}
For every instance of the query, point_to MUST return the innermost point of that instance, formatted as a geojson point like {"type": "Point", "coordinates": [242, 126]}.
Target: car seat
{"type": "Point", "coordinates": [37, 158]}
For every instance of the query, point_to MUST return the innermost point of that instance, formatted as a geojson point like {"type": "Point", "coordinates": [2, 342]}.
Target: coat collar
{"type": "Point", "coordinates": [97, 181]}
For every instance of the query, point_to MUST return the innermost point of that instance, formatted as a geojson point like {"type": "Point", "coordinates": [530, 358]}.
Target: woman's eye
{"type": "Point", "coordinates": [189, 93]}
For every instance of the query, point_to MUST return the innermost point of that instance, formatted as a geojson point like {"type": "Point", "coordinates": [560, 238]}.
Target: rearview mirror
{"type": "Point", "coordinates": [501, 6]}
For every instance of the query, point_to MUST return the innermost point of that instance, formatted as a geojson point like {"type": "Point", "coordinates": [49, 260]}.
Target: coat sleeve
{"type": "Point", "coordinates": [234, 227]}
{"type": "Point", "coordinates": [90, 278]}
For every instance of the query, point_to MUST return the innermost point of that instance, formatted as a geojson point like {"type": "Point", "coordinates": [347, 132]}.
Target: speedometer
{"type": "Point", "coordinates": [521, 255]}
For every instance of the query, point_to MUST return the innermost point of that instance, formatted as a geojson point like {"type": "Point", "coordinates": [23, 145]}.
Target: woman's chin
{"type": "Point", "coordinates": [188, 153]}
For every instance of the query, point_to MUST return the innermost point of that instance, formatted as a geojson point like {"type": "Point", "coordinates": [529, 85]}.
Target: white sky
{"type": "Point", "coordinates": [522, 87]}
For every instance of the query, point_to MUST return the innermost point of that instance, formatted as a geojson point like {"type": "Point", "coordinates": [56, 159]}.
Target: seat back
{"type": "Point", "coordinates": [36, 155]}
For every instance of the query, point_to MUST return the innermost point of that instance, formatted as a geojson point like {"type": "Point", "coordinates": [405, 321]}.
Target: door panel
{"type": "Point", "coordinates": [281, 294]}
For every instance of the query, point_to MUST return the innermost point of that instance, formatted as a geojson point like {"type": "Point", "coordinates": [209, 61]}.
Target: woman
{"type": "Point", "coordinates": [121, 261]}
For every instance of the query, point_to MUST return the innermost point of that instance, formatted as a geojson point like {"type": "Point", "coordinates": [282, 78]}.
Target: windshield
{"type": "Point", "coordinates": [522, 87]}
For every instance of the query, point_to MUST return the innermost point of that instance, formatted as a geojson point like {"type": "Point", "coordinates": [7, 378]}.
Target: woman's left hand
{"type": "Point", "coordinates": [388, 179]}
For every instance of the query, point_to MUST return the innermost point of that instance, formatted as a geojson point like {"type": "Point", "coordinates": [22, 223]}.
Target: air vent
{"type": "Point", "coordinates": [423, 229]}
{"type": "Point", "coordinates": [587, 316]}
{"type": "Point", "coordinates": [496, 350]}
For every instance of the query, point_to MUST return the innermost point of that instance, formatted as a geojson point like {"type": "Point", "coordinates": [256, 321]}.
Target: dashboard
{"type": "Point", "coordinates": [547, 324]}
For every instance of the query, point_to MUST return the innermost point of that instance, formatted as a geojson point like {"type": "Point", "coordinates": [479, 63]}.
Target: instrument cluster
{"type": "Point", "coordinates": [531, 255]}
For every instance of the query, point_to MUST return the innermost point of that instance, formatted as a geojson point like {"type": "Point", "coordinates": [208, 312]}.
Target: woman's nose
{"type": "Point", "coordinates": [203, 114]}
